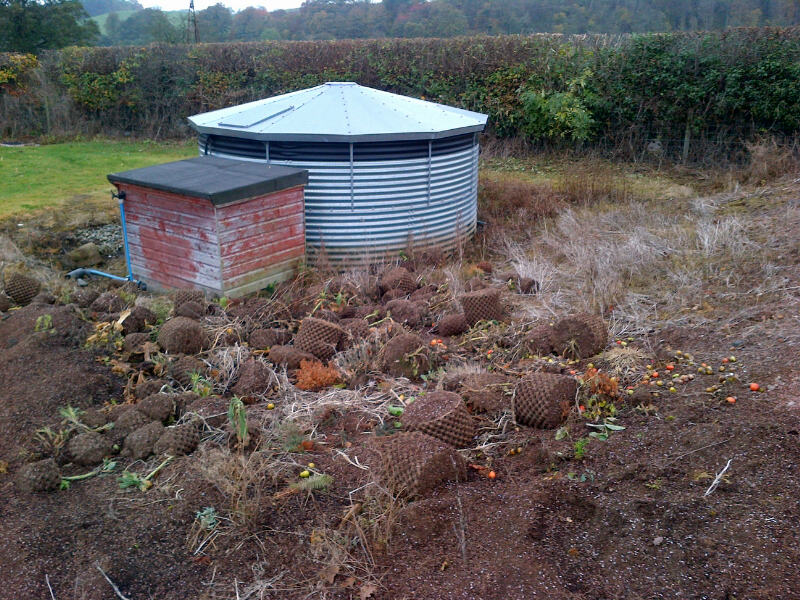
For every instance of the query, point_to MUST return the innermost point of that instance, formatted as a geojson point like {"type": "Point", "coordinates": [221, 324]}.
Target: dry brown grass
{"type": "Point", "coordinates": [245, 481]}
{"type": "Point", "coordinates": [769, 160]}
{"type": "Point", "coordinates": [593, 184]}
{"type": "Point", "coordinates": [648, 264]}
{"type": "Point", "coordinates": [509, 200]}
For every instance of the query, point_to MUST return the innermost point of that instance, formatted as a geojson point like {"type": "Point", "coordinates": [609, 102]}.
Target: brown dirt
{"type": "Point", "coordinates": [628, 518]}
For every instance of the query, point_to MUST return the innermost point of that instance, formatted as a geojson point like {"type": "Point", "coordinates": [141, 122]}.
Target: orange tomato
{"type": "Point", "coordinates": [492, 475]}
{"type": "Point", "coordinates": [754, 387]}
{"type": "Point", "coordinates": [731, 399]}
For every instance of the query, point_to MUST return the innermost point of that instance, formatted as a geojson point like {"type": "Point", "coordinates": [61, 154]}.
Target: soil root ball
{"type": "Point", "coordinates": [541, 340]}
{"type": "Point", "coordinates": [89, 448]}
{"type": "Point", "coordinates": [262, 339]}
{"type": "Point", "coordinates": [543, 400]}
{"type": "Point", "coordinates": [487, 392]}
{"type": "Point", "coordinates": [318, 337]}
{"type": "Point", "coordinates": [191, 310]}
{"type": "Point", "coordinates": [138, 320]}
{"type": "Point", "coordinates": [181, 297]}
{"type": "Point", "coordinates": [39, 476]}
{"type": "Point", "coordinates": [184, 368]}
{"type": "Point", "coordinates": [181, 335]}
{"type": "Point", "coordinates": [5, 302]}
{"type": "Point", "coordinates": [134, 343]}
{"type": "Point", "coordinates": [92, 417]}
{"type": "Point", "coordinates": [212, 409]}
{"type": "Point", "coordinates": [394, 294]}
{"type": "Point", "coordinates": [107, 302]}
{"type": "Point", "coordinates": [452, 324]}
{"type": "Point", "coordinates": [397, 278]}
{"type": "Point", "coordinates": [158, 407]}
{"type": "Point", "coordinates": [481, 305]}
{"type": "Point", "coordinates": [21, 288]}
{"type": "Point", "coordinates": [355, 330]}
{"type": "Point", "coordinates": [128, 422]}
{"type": "Point", "coordinates": [44, 297]}
{"type": "Point", "coordinates": [326, 315]}
{"type": "Point", "coordinates": [139, 444]}
{"type": "Point", "coordinates": [405, 312]}
{"type": "Point", "coordinates": [149, 387]}
{"type": "Point", "coordinates": [255, 378]}
{"type": "Point", "coordinates": [412, 464]}
{"type": "Point", "coordinates": [371, 312]}
{"type": "Point", "coordinates": [178, 440]}
{"type": "Point", "coordinates": [580, 336]}
{"type": "Point", "coordinates": [405, 356]}
{"type": "Point", "coordinates": [289, 356]}
{"type": "Point", "coordinates": [442, 415]}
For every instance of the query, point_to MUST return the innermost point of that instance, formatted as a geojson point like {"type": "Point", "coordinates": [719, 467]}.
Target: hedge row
{"type": "Point", "coordinates": [624, 92]}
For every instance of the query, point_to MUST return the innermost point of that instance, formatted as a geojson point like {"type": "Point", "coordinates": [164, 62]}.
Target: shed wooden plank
{"type": "Point", "coordinates": [209, 250]}
{"type": "Point", "coordinates": [245, 243]}
{"type": "Point", "coordinates": [281, 251]}
{"type": "Point", "coordinates": [290, 197]}
{"type": "Point", "coordinates": [170, 228]}
{"type": "Point", "coordinates": [260, 228]}
{"type": "Point", "coordinates": [275, 212]}
{"type": "Point", "coordinates": [162, 272]}
{"type": "Point", "coordinates": [277, 270]}
{"type": "Point", "coordinates": [201, 224]}
{"type": "Point", "coordinates": [168, 280]}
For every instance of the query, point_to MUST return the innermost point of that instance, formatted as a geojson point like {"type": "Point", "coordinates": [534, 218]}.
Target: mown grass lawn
{"type": "Point", "coordinates": [34, 178]}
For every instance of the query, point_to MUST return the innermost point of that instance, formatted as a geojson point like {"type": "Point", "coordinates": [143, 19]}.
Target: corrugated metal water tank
{"type": "Point", "coordinates": [218, 225]}
{"type": "Point", "coordinates": [385, 171]}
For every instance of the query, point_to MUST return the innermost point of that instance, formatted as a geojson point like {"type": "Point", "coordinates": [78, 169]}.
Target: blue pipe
{"type": "Point", "coordinates": [140, 284]}
{"type": "Point", "coordinates": [121, 198]}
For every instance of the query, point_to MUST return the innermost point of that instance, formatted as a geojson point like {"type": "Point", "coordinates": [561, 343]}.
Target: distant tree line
{"type": "Point", "coordinates": [32, 25]}
{"type": "Point", "coordinates": [359, 19]}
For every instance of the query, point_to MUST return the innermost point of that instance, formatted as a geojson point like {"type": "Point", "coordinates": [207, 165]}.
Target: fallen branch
{"type": "Point", "coordinates": [717, 479]}
{"type": "Point", "coordinates": [119, 594]}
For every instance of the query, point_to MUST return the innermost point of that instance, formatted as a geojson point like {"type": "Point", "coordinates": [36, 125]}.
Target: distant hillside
{"type": "Point", "coordinates": [101, 7]}
{"type": "Point", "coordinates": [176, 18]}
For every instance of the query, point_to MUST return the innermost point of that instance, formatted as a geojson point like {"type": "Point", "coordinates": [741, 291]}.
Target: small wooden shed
{"type": "Point", "coordinates": [224, 226]}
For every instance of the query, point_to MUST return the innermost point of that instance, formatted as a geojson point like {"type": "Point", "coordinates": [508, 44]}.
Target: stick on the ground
{"type": "Point", "coordinates": [47, 581]}
{"type": "Point", "coordinates": [119, 594]}
{"type": "Point", "coordinates": [669, 462]}
{"type": "Point", "coordinates": [717, 479]}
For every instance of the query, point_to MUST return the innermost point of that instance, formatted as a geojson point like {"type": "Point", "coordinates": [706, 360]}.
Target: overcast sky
{"type": "Point", "coordinates": [234, 4]}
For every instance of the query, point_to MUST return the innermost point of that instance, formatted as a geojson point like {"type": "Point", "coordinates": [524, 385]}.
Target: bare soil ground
{"type": "Point", "coordinates": [642, 510]}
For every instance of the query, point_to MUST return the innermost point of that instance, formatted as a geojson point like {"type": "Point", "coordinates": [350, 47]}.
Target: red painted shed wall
{"type": "Point", "coordinates": [183, 242]}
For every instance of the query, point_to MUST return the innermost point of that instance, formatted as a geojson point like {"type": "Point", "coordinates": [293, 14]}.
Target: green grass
{"type": "Point", "coordinates": [33, 178]}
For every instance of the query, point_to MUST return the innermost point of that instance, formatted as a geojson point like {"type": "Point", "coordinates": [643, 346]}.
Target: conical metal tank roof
{"type": "Point", "coordinates": [339, 112]}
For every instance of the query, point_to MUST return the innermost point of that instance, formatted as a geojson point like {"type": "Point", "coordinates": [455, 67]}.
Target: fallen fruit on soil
{"type": "Point", "coordinates": [754, 387]}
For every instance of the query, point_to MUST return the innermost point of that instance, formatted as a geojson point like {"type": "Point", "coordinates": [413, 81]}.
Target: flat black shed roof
{"type": "Point", "coordinates": [219, 180]}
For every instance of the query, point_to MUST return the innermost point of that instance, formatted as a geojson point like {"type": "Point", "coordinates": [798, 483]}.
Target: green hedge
{"type": "Point", "coordinates": [619, 92]}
